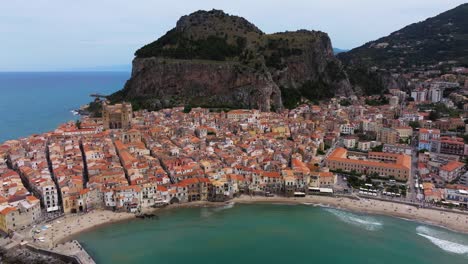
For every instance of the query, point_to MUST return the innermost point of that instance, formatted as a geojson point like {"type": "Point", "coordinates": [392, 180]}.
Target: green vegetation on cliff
{"type": "Point", "coordinates": [382, 100]}
{"type": "Point", "coordinates": [290, 97]}
{"type": "Point", "coordinates": [175, 45]}
{"type": "Point", "coordinates": [277, 49]}
{"type": "Point", "coordinates": [312, 91]}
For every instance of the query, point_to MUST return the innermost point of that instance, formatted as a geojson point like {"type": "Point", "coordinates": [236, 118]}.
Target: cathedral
{"type": "Point", "coordinates": [118, 116]}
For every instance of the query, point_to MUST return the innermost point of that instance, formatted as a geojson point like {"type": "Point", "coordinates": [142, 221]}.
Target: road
{"type": "Point", "coordinates": [414, 194]}
{"type": "Point", "coordinates": [329, 151]}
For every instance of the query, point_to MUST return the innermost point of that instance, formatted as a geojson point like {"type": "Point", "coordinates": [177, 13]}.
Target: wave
{"type": "Point", "coordinates": [317, 205]}
{"type": "Point", "coordinates": [366, 222]}
{"type": "Point", "coordinates": [209, 211]}
{"type": "Point", "coordinates": [448, 242]}
{"type": "Point", "coordinates": [224, 207]}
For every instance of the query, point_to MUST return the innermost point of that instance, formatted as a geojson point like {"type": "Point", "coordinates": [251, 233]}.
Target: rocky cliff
{"type": "Point", "coordinates": [168, 82]}
{"type": "Point", "coordinates": [214, 59]}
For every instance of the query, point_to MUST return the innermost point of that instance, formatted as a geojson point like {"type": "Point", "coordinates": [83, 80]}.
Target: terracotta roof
{"type": "Point", "coordinates": [31, 198]}
{"type": "Point", "coordinates": [433, 131]}
{"type": "Point", "coordinates": [402, 162]}
{"type": "Point", "coordinates": [271, 174]}
{"type": "Point", "coordinates": [451, 166]}
{"type": "Point", "coordinates": [8, 210]}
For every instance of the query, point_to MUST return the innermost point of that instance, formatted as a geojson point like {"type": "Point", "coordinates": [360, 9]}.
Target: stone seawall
{"type": "Point", "coordinates": [70, 252]}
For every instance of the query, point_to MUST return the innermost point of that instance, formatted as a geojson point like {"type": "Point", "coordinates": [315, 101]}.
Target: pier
{"type": "Point", "coordinates": [98, 95]}
{"type": "Point", "coordinates": [75, 250]}
{"type": "Point", "coordinates": [20, 250]}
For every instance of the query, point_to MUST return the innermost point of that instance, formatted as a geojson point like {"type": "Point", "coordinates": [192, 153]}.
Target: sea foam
{"type": "Point", "coordinates": [229, 205]}
{"type": "Point", "coordinates": [366, 222]}
{"type": "Point", "coordinates": [209, 211]}
{"type": "Point", "coordinates": [444, 240]}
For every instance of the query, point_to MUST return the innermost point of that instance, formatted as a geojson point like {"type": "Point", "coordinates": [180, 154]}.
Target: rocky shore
{"type": "Point", "coordinates": [22, 255]}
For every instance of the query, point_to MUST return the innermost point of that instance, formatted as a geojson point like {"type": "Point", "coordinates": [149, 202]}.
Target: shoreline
{"type": "Point", "coordinates": [67, 228]}
{"type": "Point", "coordinates": [72, 236]}
{"type": "Point", "coordinates": [453, 221]}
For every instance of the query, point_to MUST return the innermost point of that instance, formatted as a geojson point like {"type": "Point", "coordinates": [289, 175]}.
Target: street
{"type": "Point", "coordinates": [414, 194]}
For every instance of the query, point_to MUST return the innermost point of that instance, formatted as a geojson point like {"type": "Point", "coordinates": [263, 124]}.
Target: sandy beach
{"type": "Point", "coordinates": [65, 228]}
{"type": "Point", "coordinates": [451, 220]}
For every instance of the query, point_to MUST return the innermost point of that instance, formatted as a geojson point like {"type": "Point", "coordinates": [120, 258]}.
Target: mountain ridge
{"type": "Point", "coordinates": [437, 41]}
{"type": "Point", "coordinates": [439, 38]}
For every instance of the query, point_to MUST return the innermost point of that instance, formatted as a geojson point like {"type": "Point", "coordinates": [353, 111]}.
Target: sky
{"type": "Point", "coordinates": [55, 35]}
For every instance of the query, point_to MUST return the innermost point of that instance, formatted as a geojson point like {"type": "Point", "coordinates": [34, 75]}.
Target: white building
{"type": "Point", "coordinates": [347, 129]}
{"type": "Point", "coordinates": [364, 145]}
{"type": "Point", "coordinates": [397, 148]}
{"type": "Point", "coordinates": [349, 142]}
{"type": "Point", "coordinates": [436, 95]}
{"type": "Point", "coordinates": [50, 197]}
{"type": "Point", "coordinates": [149, 195]}
{"type": "Point", "coordinates": [394, 101]}
{"type": "Point", "coordinates": [48, 193]}
{"type": "Point", "coordinates": [419, 95]}
{"type": "Point", "coordinates": [109, 199]}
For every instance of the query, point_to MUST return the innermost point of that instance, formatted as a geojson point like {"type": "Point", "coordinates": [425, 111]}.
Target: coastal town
{"type": "Point", "coordinates": [407, 148]}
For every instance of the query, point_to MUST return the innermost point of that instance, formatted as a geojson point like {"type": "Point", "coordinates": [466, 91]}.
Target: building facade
{"type": "Point", "coordinates": [118, 116]}
{"type": "Point", "coordinates": [383, 164]}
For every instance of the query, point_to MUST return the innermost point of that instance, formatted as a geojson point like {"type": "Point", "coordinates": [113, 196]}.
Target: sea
{"type": "Point", "coordinates": [37, 102]}
{"type": "Point", "coordinates": [273, 234]}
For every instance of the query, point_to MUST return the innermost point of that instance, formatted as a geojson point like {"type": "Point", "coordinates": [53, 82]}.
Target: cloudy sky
{"type": "Point", "coordinates": [45, 35]}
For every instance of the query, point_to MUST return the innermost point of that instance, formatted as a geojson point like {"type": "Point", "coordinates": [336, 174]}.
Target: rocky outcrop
{"type": "Point", "coordinates": [213, 59]}
{"type": "Point", "coordinates": [316, 63]}
{"type": "Point", "coordinates": [205, 83]}
{"type": "Point", "coordinates": [23, 255]}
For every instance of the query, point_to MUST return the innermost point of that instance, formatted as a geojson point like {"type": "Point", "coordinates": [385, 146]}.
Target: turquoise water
{"type": "Point", "coordinates": [273, 234]}
{"type": "Point", "coordinates": [38, 102]}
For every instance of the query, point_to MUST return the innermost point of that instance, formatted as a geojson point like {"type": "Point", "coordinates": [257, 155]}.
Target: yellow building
{"type": "Point", "coordinates": [242, 114]}
{"type": "Point", "coordinates": [327, 179]}
{"type": "Point", "coordinates": [405, 132]}
{"type": "Point", "coordinates": [282, 131]}
{"type": "Point", "coordinates": [19, 214]}
{"type": "Point", "coordinates": [7, 216]}
{"type": "Point", "coordinates": [388, 136]}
